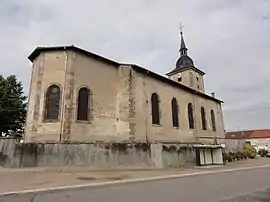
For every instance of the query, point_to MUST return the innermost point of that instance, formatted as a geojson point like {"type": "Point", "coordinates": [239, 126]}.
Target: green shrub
{"type": "Point", "coordinates": [262, 152]}
{"type": "Point", "coordinates": [232, 156]}
{"type": "Point", "coordinates": [227, 157]}
{"type": "Point", "coordinates": [240, 156]}
{"type": "Point", "coordinates": [250, 151]}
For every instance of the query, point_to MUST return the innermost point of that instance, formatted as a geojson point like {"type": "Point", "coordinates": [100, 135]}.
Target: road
{"type": "Point", "coordinates": [228, 186]}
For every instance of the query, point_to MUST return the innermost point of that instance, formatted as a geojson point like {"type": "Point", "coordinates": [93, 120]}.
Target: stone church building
{"type": "Point", "coordinates": [79, 96]}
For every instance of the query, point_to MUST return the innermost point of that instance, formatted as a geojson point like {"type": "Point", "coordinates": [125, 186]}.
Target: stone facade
{"type": "Point", "coordinates": [120, 101]}
{"type": "Point", "coordinates": [190, 78]}
{"type": "Point", "coordinates": [165, 132]}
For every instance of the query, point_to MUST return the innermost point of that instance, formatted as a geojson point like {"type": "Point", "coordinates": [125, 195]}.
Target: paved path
{"type": "Point", "coordinates": [218, 186]}
{"type": "Point", "coordinates": [41, 178]}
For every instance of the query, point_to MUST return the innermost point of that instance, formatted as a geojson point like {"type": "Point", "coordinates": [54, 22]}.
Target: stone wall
{"type": "Point", "coordinates": [165, 132]}
{"type": "Point", "coordinates": [235, 145]}
{"type": "Point", "coordinates": [7, 150]}
{"type": "Point", "coordinates": [94, 155]}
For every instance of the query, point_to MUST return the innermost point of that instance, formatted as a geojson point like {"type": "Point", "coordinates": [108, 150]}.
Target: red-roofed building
{"type": "Point", "coordinates": [260, 139]}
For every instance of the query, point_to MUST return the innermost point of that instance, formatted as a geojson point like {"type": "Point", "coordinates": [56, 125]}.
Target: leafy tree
{"type": "Point", "coordinates": [12, 105]}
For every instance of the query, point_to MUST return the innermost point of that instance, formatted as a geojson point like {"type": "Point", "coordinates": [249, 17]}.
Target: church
{"type": "Point", "coordinates": [78, 96]}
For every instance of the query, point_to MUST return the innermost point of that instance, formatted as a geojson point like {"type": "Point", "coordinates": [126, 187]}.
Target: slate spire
{"type": "Point", "coordinates": [183, 48]}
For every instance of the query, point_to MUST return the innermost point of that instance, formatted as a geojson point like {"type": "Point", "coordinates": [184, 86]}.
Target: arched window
{"type": "Point", "coordinates": [83, 104]}
{"type": "Point", "coordinates": [203, 118]}
{"type": "Point", "coordinates": [175, 113]}
{"type": "Point", "coordinates": [52, 102]}
{"type": "Point", "coordinates": [190, 116]}
{"type": "Point", "coordinates": [213, 120]}
{"type": "Point", "coordinates": [155, 109]}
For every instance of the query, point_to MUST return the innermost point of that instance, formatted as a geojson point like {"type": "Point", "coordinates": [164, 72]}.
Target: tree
{"type": "Point", "coordinates": [12, 105]}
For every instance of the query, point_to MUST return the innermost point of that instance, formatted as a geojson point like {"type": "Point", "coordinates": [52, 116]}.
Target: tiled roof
{"type": "Point", "coordinates": [248, 134]}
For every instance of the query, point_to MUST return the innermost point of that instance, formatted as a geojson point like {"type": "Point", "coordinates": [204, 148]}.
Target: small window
{"type": "Point", "coordinates": [52, 103]}
{"type": "Point", "coordinates": [155, 109]}
{"type": "Point", "coordinates": [190, 116]}
{"type": "Point", "coordinates": [83, 104]}
{"type": "Point", "coordinates": [198, 87]}
{"type": "Point", "coordinates": [179, 77]}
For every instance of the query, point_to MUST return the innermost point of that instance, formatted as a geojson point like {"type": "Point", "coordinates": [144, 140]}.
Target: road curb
{"type": "Point", "coordinates": [99, 184]}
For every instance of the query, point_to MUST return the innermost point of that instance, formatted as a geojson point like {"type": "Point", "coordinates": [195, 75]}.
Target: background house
{"type": "Point", "coordinates": [260, 139]}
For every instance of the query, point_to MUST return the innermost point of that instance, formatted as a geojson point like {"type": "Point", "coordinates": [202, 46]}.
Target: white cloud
{"type": "Point", "coordinates": [228, 39]}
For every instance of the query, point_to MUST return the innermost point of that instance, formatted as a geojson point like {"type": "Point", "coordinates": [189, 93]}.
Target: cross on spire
{"type": "Point", "coordinates": [181, 27]}
{"type": "Point", "coordinates": [183, 48]}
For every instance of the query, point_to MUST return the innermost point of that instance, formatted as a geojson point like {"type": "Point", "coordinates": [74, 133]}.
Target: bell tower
{"type": "Point", "coordinates": [185, 71]}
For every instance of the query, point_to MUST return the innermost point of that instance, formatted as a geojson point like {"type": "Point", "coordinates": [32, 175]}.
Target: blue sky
{"type": "Point", "coordinates": [228, 39]}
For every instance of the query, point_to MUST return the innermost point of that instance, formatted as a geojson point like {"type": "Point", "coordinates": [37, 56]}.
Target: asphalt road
{"type": "Point", "coordinates": [246, 185]}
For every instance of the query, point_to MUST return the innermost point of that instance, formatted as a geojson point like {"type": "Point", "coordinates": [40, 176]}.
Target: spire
{"type": "Point", "coordinates": [183, 48]}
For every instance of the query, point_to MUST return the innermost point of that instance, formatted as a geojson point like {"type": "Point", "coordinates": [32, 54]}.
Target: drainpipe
{"type": "Point", "coordinates": [63, 97]}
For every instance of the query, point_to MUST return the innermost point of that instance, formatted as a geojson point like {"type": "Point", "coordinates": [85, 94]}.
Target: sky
{"type": "Point", "coordinates": [227, 39]}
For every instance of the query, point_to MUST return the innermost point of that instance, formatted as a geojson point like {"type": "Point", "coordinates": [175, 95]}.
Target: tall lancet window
{"type": "Point", "coordinates": [213, 120]}
{"type": "Point", "coordinates": [190, 116]}
{"type": "Point", "coordinates": [155, 109]}
{"type": "Point", "coordinates": [174, 107]}
{"type": "Point", "coordinates": [52, 103]}
{"type": "Point", "coordinates": [83, 108]}
{"type": "Point", "coordinates": [203, 118]}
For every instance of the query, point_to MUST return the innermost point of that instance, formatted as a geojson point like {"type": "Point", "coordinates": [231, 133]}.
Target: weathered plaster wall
{"type": "Point", "coordinates": [94, 155]}
{"type": "Point", "coordinates": [189, 78]}
{"type": "Point", "coordinates": [111, 101]}
{"type": "Point", "coordinates": [48, 68]}
{"type": "Point", "coordinates": [165, 132]}
{"type": "Point", "coordinates": [102, 79]}
{"type": "Point", "coordinates": [120, 104]}
{"type": "Point", "coordinates": [234, 145]}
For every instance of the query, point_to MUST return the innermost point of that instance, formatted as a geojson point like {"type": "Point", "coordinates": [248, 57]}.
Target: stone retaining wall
{"type": "Point", "coordinates": [235, 145]}
{"type": "Point", "coordinates": [95, 155]}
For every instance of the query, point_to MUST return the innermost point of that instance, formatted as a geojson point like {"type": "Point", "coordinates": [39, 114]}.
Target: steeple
{"type": "Point", "coordinates": [184, 61]}
{"type": "Point", "coordinates": [185, 72]}
{"type": "Point", "coordinates": [183, 48]}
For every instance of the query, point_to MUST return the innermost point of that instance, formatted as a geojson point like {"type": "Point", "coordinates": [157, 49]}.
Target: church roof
{"type": "Point", "coordinates": [177, 70]}
{"type": "Point", "coordinates": [184, 61]}
{"type": "Point", "coordinates": [39, 50]}
{"type": "Point", "coordinates": [137, 68]}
